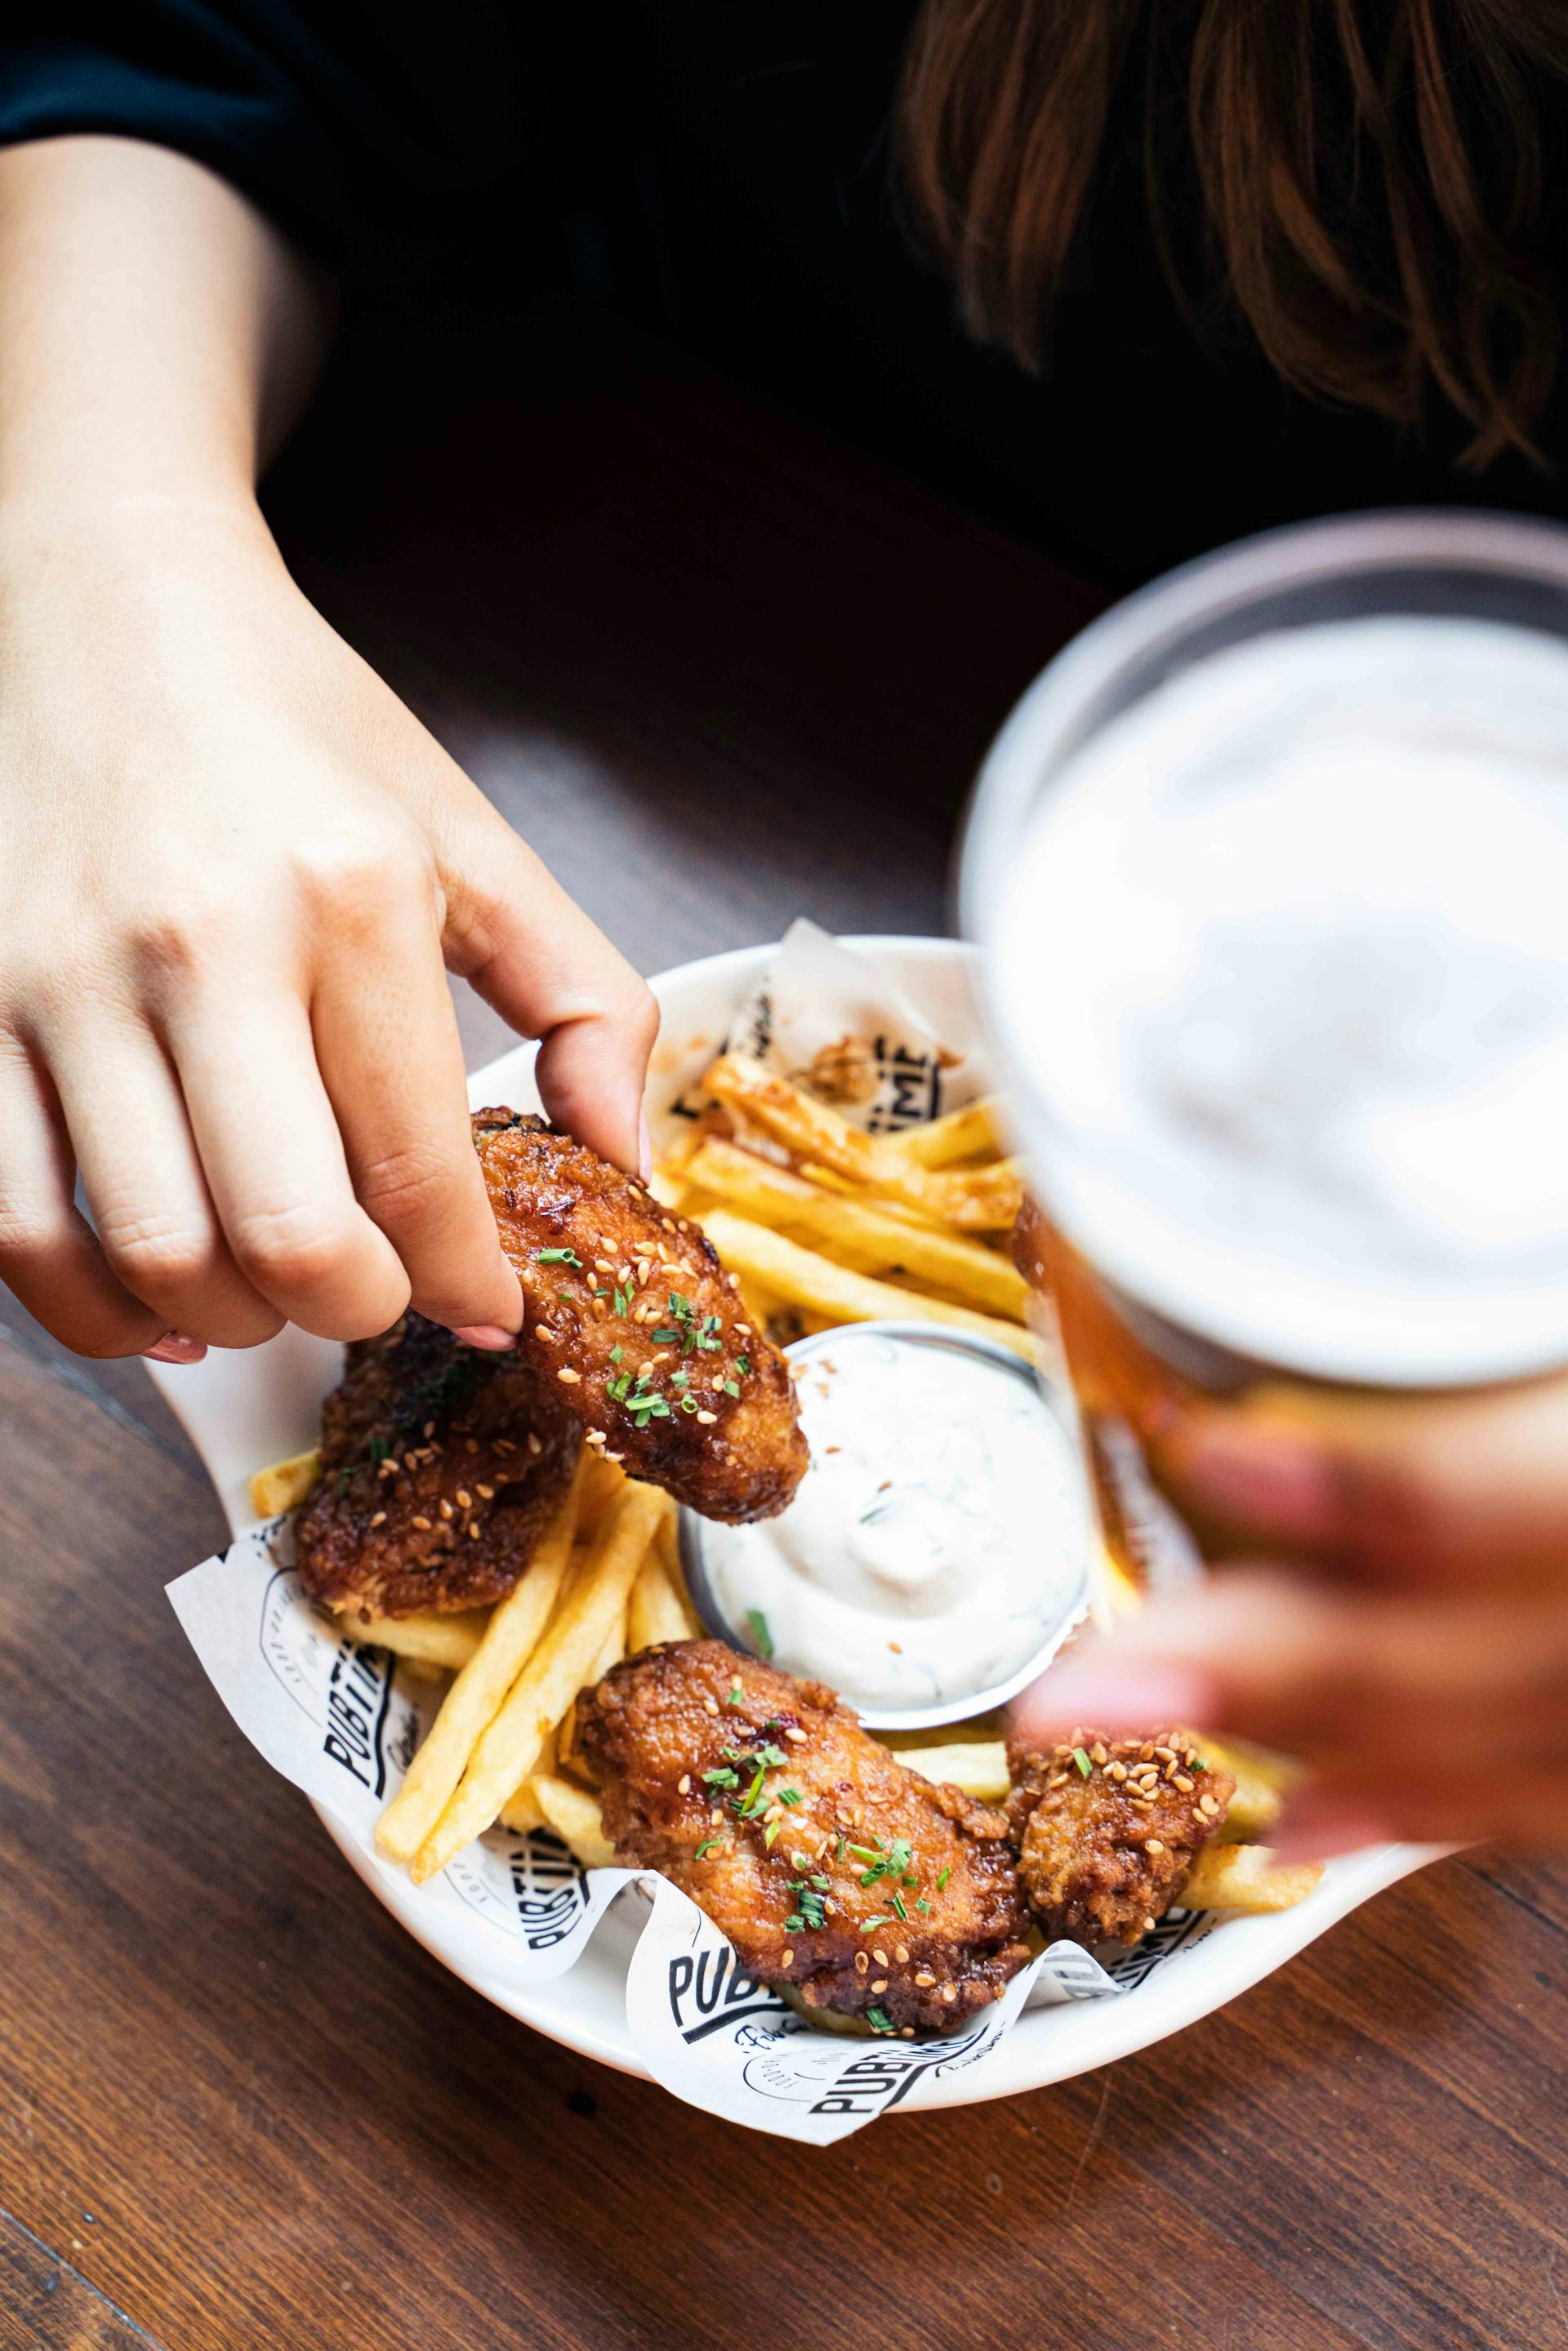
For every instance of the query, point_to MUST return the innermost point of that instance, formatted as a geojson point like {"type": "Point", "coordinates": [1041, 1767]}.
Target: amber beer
{"type": "Point", "coordinates": [1269, 872]}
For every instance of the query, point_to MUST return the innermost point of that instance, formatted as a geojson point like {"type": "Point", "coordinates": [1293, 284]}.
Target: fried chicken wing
{"type": "Point", "coordinates": [1102, 1853]}
{"type": "Point", "coordinates": [440, 1468]}
{"type": "Point", "coordinates": [831, 1868]}
{"type": "Point", "coordinates": [628, 1311]}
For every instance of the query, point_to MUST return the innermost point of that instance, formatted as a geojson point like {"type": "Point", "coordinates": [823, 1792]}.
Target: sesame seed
{"type": "Point", "coordinates": [422, 1524]}
{"type": "Point", "coordinates": [464, 1498]}
{"type": "Point", "coordinates": [900, 1955]}
{"type": "Point", "coordinates": [542, 1330]}
{"type": "Point", "coordinates": [429, 1429]}
{"type": "Point", "coordinates": [716, 1815]}
{"type": "Point", "coordinates": [862, 1963]}
{"type": "Point", "coordinates": [602, 1265]}
{"type": "Point", "coordinates": [794, 1732]}
{"type": "Point", "coordinates": [710, 1706]}
{"type": "Point", "coordinates": [505, 1445]}
{"type": "Point", "coordinates": [708, 1419]}
{"type": "Point", "coordinates": [880, 1984]}
{"type": "Point", "coordinates": [535, 1443]}
{"type": "Point", "coordinates": [1057, 1780]}
{"type": "Point", "coordinates": [1184, 1783]}
{"type": "Point", "coordinates": [880, 1957]}
{"type": "Point", "coordinates": [1116, 1772]}
{"type": "Point", "coordinates": [1165, 1754]}
{"type": "Point", "coordinates": [469, 1445]}
{"type": "Point", "coordinates": [1148, 1753]}
{"type": "Point", "coordinates": [1149, 1926]}
{"type": "Point", "coordinates": [949, 1992]}
{"type": "Point", "coordinates": [643, 1270]}
{"type": "Point", "coordinates": [486, 1492]}
{"type": "Point", "coordinates": [380, 1519]}
{"type": "Point", "coordinates": [786, 1959]}
{"type": "Point", "coordinates": [924, 1976]}
{"type": "Point", "coordinates": [906, 2032]}
{"type": "Point", "coordinates": [572, 1379]}
{"type": "Point", "coordinates": [1097, 1753]}
{"type": "Point", "coordinates": [773, 1813]}
{"type": "Point", "coordinates": [683, 1785]}
{"type": "Point", "coordinates": [1209, 1805]}
{"type": "Point", "coordinates": [613, 1456]}
{"type": "Point", "coordinates": [472, 1530]}
{"type": "Point", "coordinates": [1153, 1845]}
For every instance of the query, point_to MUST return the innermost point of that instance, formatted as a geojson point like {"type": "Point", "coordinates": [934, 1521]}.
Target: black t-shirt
{"type": "Point", "coordinates": [722, 169]}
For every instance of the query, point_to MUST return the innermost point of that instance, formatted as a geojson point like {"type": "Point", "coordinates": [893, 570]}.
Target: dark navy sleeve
{"type": "Point", "coordinates": [364, 126]}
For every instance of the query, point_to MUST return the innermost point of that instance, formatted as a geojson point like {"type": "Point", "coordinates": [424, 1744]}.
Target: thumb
{"type": "Point", "coordinates": [531, 952]}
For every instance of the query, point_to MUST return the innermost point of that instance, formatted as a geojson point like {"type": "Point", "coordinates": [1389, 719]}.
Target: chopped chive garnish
{"type": "Point", "coordinates": [756, 1626]}
{"type": "Point", "coordinates": [923, 1905]}
{"type": "Point", "coordinates": [731, 1388]}
{"type": "Point", "coordinates": [947, 1874]}
{"type": "Point", "coordinates": [1082, 1760]}
{"type": "Point", "coordinates": [616, 1354]}
{"type": "Point", "coordinates": [721, 1776]}
{"type": "Point", "coordinates": [868, 1925]}
{"type": "Point", "coordinates": [706, 1845]}
{"type": "Point", "coordinates": [772, 1831]}
{"type": "Point", "coordinates": [879, 2020]}
{"type": "Point", "coordinates": [743, 1364]}
{"type": "Point", "coordinates": [735, 1694]}
{"type": "Point", "coordinates": [897, 1901]}
{"type": "Point", "coordinates": [790, 1795]}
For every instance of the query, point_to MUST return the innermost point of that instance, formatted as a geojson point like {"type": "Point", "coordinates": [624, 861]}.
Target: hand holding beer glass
{"type": "Point", "coordinates": [1270, 870]}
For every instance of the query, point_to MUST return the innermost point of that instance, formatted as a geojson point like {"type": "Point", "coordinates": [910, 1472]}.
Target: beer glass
{"type": "Point", "coordinates": [1269, 874]}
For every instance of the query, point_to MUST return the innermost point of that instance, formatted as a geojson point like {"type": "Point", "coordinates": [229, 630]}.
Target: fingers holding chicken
{"type": "Point", "coordinates": [831, 1868]}
{"type": "Point", "coordinates": [629, 1314]}
{"type": "Point", "coordinates": [1107, 1829]}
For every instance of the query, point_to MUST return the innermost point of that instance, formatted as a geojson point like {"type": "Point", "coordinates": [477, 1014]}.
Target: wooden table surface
{"type": "Point", "coordinates": [721, 671]}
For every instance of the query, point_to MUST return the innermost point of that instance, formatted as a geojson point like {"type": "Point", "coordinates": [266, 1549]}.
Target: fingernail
{"type": "Point", "coordinates": [1314, 1827]}
{"type": "Point", "coordinates": [644, 1147]}
{"type": "Point", "coordinates": [1259, 1477]}
{"type": "Point", "coordinates": [173, 1347]}
{"type": "Point", "coordinates": [489, 1335]}
{"type": "Point", "coordinates": [1141, 1695]}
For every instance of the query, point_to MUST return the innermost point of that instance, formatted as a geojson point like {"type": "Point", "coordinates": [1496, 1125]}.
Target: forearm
{"type": "Point", "coordinates": [158, 334]}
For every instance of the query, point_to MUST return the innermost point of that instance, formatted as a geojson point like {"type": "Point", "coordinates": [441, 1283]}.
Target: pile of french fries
{"type": "Point", "coordinates": [822, 1225]}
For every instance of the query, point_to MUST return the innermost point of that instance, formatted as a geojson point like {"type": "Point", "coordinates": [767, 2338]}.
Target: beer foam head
{"type": "Point", "coordinates": [1284, 971]}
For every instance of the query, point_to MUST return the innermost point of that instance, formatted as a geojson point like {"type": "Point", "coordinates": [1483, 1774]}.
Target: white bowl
{"type": "Point", "coordinates": [241, 1410]}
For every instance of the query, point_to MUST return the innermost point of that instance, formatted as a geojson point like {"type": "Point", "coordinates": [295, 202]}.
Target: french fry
{"type": "Point", "coordinates": [865, 1236]}
{"type": "Point", "coordinates": [508, 1751]}
{"type": "Point", "coordinates": [513, 1633]}
{"type": "Point", "coordinates": [658, 1611]}
{"type": "Point", "coordinates": [283, 1485]}
{"type": "Point", "coordinates": [979, 1767]}
{"type": "Point", "coordinates": [1260, 1781]}
{"type": "Point", "coordinates": [1247, 1878]}
{"type": "Point", "coordinates": [612, 1650]}
{"type": "Point", "coordinates": [976, 1199]}
{"type": "Point", "coordinates": [972, 1133]}
{"type": "Point", "coordinates": [814, 1281]}
{"type": "Point", "coordinates": [575, 1817]}
{"type": "Point", "coordinates": [980, 1199]}
{"type": "Point", "coordinates": [448, 1641]}
{"type": "Point", "coordinates": [521, 1811]}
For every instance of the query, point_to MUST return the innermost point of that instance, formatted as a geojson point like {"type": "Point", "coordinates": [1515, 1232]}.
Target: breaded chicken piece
{"type": "Point", "coordinates": [628, 1311]}
{"type": "Point", "coordinates": [1102, 1853]}
{"type": "Point", "coordinates": [441, 1467]}
{"type": "Point", "coordinates": [831, 1868]}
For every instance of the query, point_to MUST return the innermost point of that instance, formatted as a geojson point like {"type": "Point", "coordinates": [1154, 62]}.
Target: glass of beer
{"type": "Point", "coordinates": [1269, 874]}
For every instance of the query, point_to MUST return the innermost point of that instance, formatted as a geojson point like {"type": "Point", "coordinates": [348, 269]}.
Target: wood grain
{"type": "Point", "coordinates": [722, 670]}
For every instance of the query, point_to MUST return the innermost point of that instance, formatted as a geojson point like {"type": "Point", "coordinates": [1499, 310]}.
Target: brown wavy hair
{"type": "Point", "coordinates": [1370, 174]}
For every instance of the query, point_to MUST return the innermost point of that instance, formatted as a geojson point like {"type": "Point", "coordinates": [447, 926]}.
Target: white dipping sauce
{"type": "Point", "coordinates": [937, 1540]}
